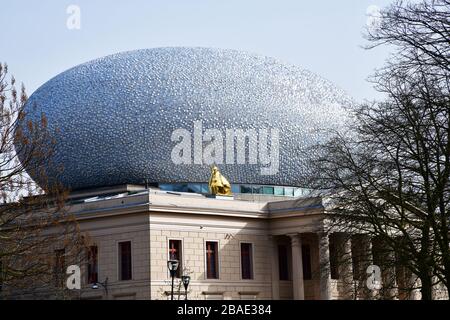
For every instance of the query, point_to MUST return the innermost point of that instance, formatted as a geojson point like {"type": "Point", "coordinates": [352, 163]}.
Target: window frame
{"type": "Point", "coordinates": [119, 270]}
{"type": "Point", "coordinates": [218, 270]}
{"type": "Point", "coordinates": [87, 264]}
{"type": "Point", "coordinates": [252, 260]}
{"type": "Point", "coordinates": [182, 256]}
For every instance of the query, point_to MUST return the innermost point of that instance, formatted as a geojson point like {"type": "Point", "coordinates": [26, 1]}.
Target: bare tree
{"type": "Point", "coordinates": [389, 174]}
{"type": "Point", "coordinates": [38, 237]}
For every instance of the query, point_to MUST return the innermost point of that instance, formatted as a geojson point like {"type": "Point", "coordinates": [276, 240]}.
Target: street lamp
{"type": "Point", "coordinates": [185, 280]}
{"type": "Point", "coordinates": [104, 284]}
{"type": "Point", "coordinates": [172, 265]}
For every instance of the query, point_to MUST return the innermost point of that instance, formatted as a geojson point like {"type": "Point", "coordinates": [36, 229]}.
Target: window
{"type": "Point", "coordinates": [279, 191]}
{"type": "Point", "coordinates": [125, 260]}
{"type": "Point", "coordinates": [268, 190]}
{"type": "Point", "coordinates": [306, 261]}
{"type": "Point", "coordinates": [92, 267]}
{"type": "Point", "coordinates": [59, 271]}
{"type": "Point", "coordinates": [175, 253]}
{"type": "Point", "coordinates": [212, 261]}
{"type": "Point", "coordinates": [247, 261]}
{"type": "Point", "coordinates": [205, 188]}
{"type": "Point", "coordinates": [283, 262]}
{"type": "Point", "coordinates": [257, 189]}
{"type": "Point", "coordinates": [234, 188]}
{"type": "Point", "coordinates": [289, 192]}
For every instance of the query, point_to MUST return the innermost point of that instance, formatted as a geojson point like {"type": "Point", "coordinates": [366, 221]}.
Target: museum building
{"type": "Point", "coordinates": [137, 134]}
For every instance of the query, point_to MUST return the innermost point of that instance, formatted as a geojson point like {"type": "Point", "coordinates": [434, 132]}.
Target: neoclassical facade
{"type": "Point", "coordinates": [155, 223]}
{"type": "Point", "coordinates": [238, 247]}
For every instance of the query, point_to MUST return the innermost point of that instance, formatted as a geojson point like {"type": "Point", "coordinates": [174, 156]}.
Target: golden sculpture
{"type": "Point", "coordinates": [218, 184]}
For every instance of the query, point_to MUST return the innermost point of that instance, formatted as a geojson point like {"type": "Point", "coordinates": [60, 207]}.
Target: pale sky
{"type": "Point", "coordinates": [324, 37]}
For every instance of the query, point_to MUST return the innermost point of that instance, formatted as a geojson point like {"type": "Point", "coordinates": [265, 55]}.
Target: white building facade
{"type": "Point", "coordinates": [232, 248]}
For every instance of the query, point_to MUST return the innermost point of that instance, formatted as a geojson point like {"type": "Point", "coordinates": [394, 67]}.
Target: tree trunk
{"type": "Point", "coordinates": [427, 288]}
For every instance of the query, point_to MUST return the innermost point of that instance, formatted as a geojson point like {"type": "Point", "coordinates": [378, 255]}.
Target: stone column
{"type": "Point", "coordinates": [389, 278]}
{"type": "Point", "coordinates": [275, 270]}
{"type": "Point", "coordinates": [324, 264]}
{"type": "Point", "coordinates": [367, 260]}
{"type": "Point", "coordinates": [386, 260]}
{"type": "Point", "coordinates": [297, 267]}
{"type": "Point", "coordinates": [346, 266]}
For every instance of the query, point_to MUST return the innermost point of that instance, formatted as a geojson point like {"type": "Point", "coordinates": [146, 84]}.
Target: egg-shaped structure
{"type": "Point", "coordinates": [163, 115]}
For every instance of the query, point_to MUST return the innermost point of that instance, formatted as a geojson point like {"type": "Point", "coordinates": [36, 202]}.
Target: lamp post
{"type": "Point", "coordinates": [185, 280]}
{"type": "Point", "coordinates": [104, 284]}
{"type": "Point", "coordinates": [172, 265]}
